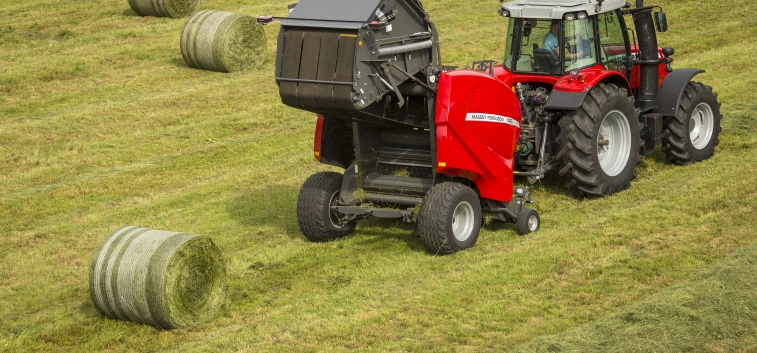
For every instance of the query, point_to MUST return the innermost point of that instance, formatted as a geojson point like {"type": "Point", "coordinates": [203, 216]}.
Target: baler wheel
{"type": "Point", "coordinates": [599, 143]}
{"type": "Point", "coordinates": [528, 221]}
{"type": "Point", "coordinates": [314, 215]}
{"type": "Point", "coordinates": [449, 219]}
{"type": "Point", "coordinates": [691, 136]}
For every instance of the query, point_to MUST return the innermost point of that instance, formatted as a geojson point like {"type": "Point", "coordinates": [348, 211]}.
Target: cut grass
{"type": "Point", "coordinates": [105, 126]}
{"type": "Point", "coordinates": [714, 311]}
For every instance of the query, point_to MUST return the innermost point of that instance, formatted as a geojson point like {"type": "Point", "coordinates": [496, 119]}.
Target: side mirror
{"type": "Point", "coordinates": [661, 21]}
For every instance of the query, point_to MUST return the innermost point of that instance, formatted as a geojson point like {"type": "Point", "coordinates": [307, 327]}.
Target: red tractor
{"type": "Point", "coordinates": [579, 91]}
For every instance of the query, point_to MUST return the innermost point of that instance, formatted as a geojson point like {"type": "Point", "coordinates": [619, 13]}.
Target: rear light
{"type": "Point", "coordinates": [581, 79]}
{"type": "Point", "coordinates": [264, 19]}
{"type": "Point", "coordinates": [317, 139]}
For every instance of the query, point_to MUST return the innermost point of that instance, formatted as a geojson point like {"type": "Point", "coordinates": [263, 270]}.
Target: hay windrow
{"type": "Point", "coordinates": [223, 41]}
{"type": "Point", "coordinates": [165, 8]}
{"type": "Point", "coordinates": [715, 308]}
{"type": "Point", "coordinates": [160, 278]}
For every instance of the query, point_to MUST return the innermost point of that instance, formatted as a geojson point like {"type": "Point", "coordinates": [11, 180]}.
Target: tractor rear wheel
{"type": "Point", "coordinates": [599, 143]}
{"type": "Point", "coordinates": [691, 136]}
{"type": "Point", "coordinates": [449, 219]}
{"type": "Point", "coordinates": [314, 215]}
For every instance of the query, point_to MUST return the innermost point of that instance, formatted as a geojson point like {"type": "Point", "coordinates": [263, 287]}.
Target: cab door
{"type": "Point", "coordinates": [615, 48]}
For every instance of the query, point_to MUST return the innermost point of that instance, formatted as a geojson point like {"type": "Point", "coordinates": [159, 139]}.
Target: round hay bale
{"type": "Point", "coordinates": [223, 41]}
{"type": "Point", "coordinates": [165, 279]}
{"type": "Point", "coordinates": [165, 8]}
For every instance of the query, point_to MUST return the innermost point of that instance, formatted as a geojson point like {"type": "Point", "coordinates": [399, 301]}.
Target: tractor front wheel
{"type": "Point", "coordinates": [599, 143]}
{"type": "Point", "coordinates": [449, 219]}
{"type": "Point", "coordinates": [691, 136]}
{"type": "Point", "coordinates": [317, 221]}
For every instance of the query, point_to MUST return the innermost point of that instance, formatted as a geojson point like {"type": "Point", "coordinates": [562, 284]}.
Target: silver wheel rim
{"type": "Point", "coordinates": [614, 143]}
{"type": "Point", "coordinates": [462, 221]}
{"type": "Point", "coordinates": [533, 223]}
{"type": "Point", "coordinates": [701, 124]}
{"type": "Point", "coordinates": [333, 217]}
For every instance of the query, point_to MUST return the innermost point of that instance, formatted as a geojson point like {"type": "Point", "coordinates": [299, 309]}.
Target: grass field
{"type": "Point", "coordinates": [103, 125]}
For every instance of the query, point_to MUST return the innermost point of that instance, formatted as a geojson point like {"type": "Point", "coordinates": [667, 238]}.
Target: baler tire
{"type": "Point", "coordinates": [677, 136]}
{"type": "Point", "coordinates": [528, 221]}
{"type": "Point", "coordinates": [579, 140]}
{"type": "Point", "coordinates": [314, 216]}
{"type": "Point", "coordinates": [437, 222]}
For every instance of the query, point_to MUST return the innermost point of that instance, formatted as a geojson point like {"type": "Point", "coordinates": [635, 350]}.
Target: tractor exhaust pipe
{"type": "Point", "coordinates": [642, 17]}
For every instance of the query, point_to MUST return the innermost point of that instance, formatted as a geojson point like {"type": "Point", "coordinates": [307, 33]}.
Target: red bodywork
{"type": "Point", "coordinates": [477, 127]}
{"type": "Point", "coordinates": [317, 140]}
{"type": "Point", "coordinates": [478, 119]}
{"type": "Point", "coordinates": [592, 75]}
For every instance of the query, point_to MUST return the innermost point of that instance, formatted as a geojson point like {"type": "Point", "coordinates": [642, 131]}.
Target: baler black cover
{"type": "Point", "coordinates": [330, 61]}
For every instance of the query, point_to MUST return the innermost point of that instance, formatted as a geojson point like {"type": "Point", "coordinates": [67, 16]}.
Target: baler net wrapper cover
{"type": "Point", "coordinates": [352, 57]}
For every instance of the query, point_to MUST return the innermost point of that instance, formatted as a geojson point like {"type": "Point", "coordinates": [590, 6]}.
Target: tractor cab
{"type": "Point", "coordinates": [553, 38]}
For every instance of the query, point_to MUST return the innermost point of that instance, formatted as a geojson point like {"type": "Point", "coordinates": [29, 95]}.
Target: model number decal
{"type": "Point", "coordinates": [492, 118]}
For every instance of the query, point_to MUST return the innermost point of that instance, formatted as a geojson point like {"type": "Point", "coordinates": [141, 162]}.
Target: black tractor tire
{"type": "Point", "coordinates": [528, 221]}
{"type": "Point", "coordinates": [314, 215]}
{"type": "Point", "coordinates": [580, 142]}
{"type": "Point", "coordinates": [449, 219]}
{"type": "Point", "coordinates": [698, 118]}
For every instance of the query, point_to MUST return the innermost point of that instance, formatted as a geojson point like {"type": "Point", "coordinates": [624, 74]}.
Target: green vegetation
{"type": "Point", "coordinates": [102, 124]}
{"type": "Point", "coordinates": [715, 311]}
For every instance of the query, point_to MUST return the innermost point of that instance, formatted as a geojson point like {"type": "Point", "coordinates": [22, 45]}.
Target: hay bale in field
{"type": "Point", "coordinates": [223, 41]}
{"type": "Point", "coordinates": [165, 8]}
{"type": "Point", "coordinates": [165, 279]}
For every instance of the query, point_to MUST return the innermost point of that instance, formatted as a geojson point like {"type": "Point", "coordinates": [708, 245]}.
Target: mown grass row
{"type": "Point", "coordinates": [714, 311]}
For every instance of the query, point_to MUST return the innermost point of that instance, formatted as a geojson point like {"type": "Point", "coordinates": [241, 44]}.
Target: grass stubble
{"type": "Point", "coordinates": [102, 124]}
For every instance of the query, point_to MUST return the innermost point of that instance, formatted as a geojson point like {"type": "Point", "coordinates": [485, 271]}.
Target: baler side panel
{"type": "Point", "coordinates": [477, 127]}
{"type": "Point", "coordinates": [317, 56]}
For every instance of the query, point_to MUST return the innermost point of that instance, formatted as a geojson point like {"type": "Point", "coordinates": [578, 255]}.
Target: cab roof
{"type": "Point", "coordinates": [554, 9]}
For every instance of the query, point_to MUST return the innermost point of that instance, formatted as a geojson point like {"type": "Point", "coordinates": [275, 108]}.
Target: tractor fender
{"type": "Point", "coordinates": [568, 92]}
{"type": "Point", "coordinates": [564, 100]}
{"type": "Point", "coordinates": [671, 90]}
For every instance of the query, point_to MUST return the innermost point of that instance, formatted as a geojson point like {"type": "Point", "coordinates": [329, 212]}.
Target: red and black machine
{"type": "Point", "coordinates": [441, 145]}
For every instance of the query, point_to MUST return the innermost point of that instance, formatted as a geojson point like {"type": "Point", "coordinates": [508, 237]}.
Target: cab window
{"type": "Point", "coordinates": [612, 40]}
{"type": "Point", "coordinates": [579, 44]}
{"type": "Point", "coordinates": [532, 58]}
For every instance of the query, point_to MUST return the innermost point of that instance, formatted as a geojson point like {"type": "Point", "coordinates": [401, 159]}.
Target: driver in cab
{"type": "Point", "coordinates": [552, 43]}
